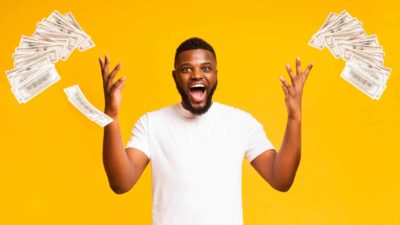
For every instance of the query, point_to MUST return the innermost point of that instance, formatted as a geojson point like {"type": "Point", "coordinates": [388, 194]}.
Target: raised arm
{"type": "Point", "coordinates": [279, 169]}
{"type": "Point", "coordinates": [123, 167]}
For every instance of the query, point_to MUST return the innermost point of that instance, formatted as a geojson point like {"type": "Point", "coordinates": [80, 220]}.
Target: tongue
{"type": "Point", "coordinates": [197, 95]}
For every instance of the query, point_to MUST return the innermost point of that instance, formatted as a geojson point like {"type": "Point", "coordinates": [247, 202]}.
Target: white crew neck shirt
{"type": "Point", "coordinates": [196, 162]}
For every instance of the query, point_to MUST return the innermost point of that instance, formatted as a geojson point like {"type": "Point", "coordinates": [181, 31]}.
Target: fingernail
{"type": "Point", "coordinates": [287, 65]}
{"type": "Point", "coordinates": [298, 58]}
{"type": "Point", "coordinates": [123, 78]}
{"type": "Point", "coordinates": [281, 78]}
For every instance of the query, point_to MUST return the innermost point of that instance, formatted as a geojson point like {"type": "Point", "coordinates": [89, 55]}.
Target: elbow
{"type": "Point", "coordinates": [284, 187]}
{"type": "Point", "coordinates": [120, 189]}
{"type": "Point", "coordinates": [120, 186]}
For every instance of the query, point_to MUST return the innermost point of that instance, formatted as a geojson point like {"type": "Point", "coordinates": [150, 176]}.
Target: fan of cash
{"type": "Point", "coordinates": [345, 38]}
{"type": "Point", "coordinates": [54, 39]}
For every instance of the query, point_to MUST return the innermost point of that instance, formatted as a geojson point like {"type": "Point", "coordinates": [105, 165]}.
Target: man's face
{"type": "Point", "coordinates": [195, 77]}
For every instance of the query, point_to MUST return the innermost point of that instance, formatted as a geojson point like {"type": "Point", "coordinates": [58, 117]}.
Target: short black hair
{"type": "Point", "coordinates": [194, 43]}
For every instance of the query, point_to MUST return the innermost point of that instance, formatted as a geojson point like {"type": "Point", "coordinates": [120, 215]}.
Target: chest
{"type": "Point", "coordinates": [209, 149]}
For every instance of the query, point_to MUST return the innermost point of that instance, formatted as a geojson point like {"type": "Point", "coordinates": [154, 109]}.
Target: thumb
{"type": "Point", "coordinates": [118, 85]}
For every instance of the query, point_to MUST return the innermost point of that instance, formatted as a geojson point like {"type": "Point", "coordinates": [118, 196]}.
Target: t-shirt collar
{"type": "Point", "coordinates": [187, 114]}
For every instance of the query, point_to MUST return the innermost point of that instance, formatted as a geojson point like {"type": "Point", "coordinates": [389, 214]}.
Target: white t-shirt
{"type": "Point", "coordinates": [196, 162]}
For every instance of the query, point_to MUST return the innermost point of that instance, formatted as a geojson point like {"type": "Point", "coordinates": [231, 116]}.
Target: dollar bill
{"type": "Point", "coordinates": [369, 40]}
{"type": "Point", "coordinates": [21, 76]}
{"type": "Point", "coordinates": [344, 36]}
{"type": "Point", "coordinates": [332, 41]}
{"type": "Point", "coordinates": [56, 28]}
{"type": "Point", "coordinates": [89, 43]}
{"type": "Point", "coordinates": [35, 64]}
{"type": "Point", "coordinates": [55, 38]}
{"type": "Point", "coordinates": [314, 41]}
{"type": "Point", "coordinates": [69, 21]}
{"type": "Point", "coordinates": [21, 60]}
{"type": "Point", "coordinates": [36, 84]}
{"type": "Point", "coordinates": [342, 22]}
{"type": "Point", "coordinates": [364, 62]}
{"type": "Point", "coordinates": [79, 101]}
{"type": "Point", "coordinates": [356, 78]}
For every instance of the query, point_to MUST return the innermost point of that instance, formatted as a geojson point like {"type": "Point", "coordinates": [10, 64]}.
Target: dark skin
{"type": "Point", "coordinates": [195, 67]}
{"type": "Point", "coordinates": [125, 166]}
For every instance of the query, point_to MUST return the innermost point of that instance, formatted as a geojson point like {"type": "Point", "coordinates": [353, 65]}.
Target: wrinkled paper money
{"type": "Point", "coordinates": [54, 39]}
{"type": "Point", "coordinates": [77, 99]}
{"type": "Point", "coordinates": [345, 38]}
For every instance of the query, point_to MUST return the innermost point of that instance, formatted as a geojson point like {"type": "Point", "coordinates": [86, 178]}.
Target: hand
{"type": "Point", "coordinates": [294, 92]}
{"type": "Point", "coordinates": [112, 91]}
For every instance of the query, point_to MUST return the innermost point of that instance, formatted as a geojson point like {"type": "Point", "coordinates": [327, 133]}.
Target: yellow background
{"type": "Point", "coordinates": [51, 156]}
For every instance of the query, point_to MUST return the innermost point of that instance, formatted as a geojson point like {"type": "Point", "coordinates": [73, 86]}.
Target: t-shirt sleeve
{"type": "Point", "coordinates": [140, 136]}
{"type": "Point", "coordinates": [258, 141]}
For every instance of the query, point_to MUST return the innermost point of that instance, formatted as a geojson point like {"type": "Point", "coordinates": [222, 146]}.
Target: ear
{"type": "Point", "coordinates": [174, 75]}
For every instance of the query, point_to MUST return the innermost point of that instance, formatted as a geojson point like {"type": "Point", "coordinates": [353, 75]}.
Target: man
{"type": "Point", "coordinates": [197, 146]}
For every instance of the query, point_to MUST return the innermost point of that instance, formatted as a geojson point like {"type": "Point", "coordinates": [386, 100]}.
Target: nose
{"type": "Point", "coordinates": [197, 74]}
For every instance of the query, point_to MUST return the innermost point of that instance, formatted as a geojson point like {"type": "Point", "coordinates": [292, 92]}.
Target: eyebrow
{"type": "Point", "coordinates": [202, 64]}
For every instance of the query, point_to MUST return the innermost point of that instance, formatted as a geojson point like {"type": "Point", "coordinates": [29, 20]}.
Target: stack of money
{"type": "Point", "coordinates": [345, 38]}
{"type": "Point", "coordinates": [77, 99]}
{"type": "Point", "coordinates": [54, 39]}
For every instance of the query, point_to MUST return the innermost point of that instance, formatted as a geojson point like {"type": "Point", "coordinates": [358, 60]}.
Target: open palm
{"type": "Point", "coordinates": [294, 92]}
{"type": "Point", "coordinates": [112, 91]}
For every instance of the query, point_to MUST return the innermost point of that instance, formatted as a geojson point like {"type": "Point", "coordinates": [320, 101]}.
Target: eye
{"type": "Point", "coordinates": [185, 69]}
{"type": "Point", "coordinates": [206, 69]}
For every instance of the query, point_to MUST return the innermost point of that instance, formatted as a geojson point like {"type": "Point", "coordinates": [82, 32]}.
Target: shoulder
{"type": "Point", "coordinates": [162, 110]}
{"type": "Point", "coordinates": [161, 113]}
{"type": "Point", "coordinates": [238, 114]}
{"type": "Point", "coordinates": [155, 117]}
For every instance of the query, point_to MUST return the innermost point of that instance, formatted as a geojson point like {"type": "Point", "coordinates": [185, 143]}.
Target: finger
{"type": "Point", "coordinates": [308, 69]}
{"type": "Point", "coordinates": [116, 69]}
{"type": "Point", "coordinates": [290, 72]}
{"type": "Point", "coordinates": [298, 66]}
{"type": "Point", "coordinates": [284, 82]}
{"type": "Point", "coordinates": [114, 72]}
{"type": "Point", "coordinates": [120, 87]}
{"type": "Point", "coordinates": [109, 82]}
{"type": "Point", "coordinates": [105, 67]}
{"type": "Point", "coordinates": [289, 89]}
{"type": "Point", "coordinates": [117, 85]}
{"type": "Point", "coordinates": [101, 63]}
{"type": "Point", "coordinates": [285, 90]}
{"type": "Point", "coordinates": [101, 67]}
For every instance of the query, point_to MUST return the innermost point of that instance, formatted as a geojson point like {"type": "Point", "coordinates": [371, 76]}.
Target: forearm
{"type": "Point", "coordinates": [116, 162]}
{"type": "Point", "coordinates": [288, 157]}
{"type": "Point", "coordinates": [287, 160]}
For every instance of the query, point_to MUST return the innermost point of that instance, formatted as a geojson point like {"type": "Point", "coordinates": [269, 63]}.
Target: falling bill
{"type": "Point", "coordinates": [77, 99]}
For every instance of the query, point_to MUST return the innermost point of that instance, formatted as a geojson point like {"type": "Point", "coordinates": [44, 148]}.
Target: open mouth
{"type": "Point", "coordinates": [198, 93]}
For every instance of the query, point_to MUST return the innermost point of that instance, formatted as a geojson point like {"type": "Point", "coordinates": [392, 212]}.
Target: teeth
{"type": "Point", "coordinates": [197, 85]}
